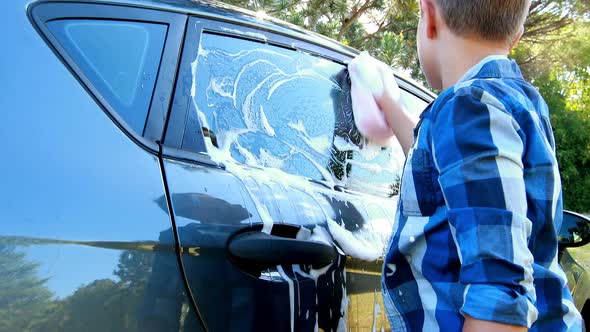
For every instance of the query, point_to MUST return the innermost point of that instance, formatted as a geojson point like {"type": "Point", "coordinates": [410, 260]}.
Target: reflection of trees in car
{"type": "Point", "coordinates": [107, 305]}
{"type": "Point", "coordinates": [338, 165]}
{"type": "Point", "coordinates": [23, 299]}
{"type": "Point", "coordinates": [163, 306]}
{"type": "Point", "coordinates": [211, 135]}
{"type": "Point", "coordinates": [573, 229]}
{"type": "Point", "coordinates": [102, 305]}
{"type": "Point", "coordinates": [395, 187]}
{"type": "Point", "coordinates": [343, 127]}
{"type": "Point", "coordinates": [580, 231]}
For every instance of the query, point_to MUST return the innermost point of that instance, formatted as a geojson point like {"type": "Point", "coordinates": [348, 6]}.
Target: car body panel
{"type": "Point", "coordinates": [577, 274]}
{"type": "Point", "coordinates": [574, 257]}
{"type": "Point", "coordinates": [85, 208]}
{"type": "Point", "coordinates": [80, 224]}
{"type": "Point", "coordinates": [212, 205]}
{"type": "Point", "coordinates": [274, 200]}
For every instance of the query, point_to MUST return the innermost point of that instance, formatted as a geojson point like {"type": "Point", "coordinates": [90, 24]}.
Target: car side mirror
{"type": "Point", "coordinates": [575, 230]}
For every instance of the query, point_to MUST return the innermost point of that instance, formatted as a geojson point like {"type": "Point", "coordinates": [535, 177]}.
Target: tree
{"type": "Point", "coordinates": [548, 38]}
{"type": "Point", "coordinates": [554, 54]}
{"type": "Point", "coordinates": [384, 28]}
{"type": "Point", "coordinates": [564, 82]}
{"type": "Point", "coordinates": [387, 29]}
{"type": "Point", "coordinates": [571, 126]}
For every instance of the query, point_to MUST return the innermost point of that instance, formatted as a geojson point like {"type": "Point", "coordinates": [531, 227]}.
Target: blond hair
{"type": "Point", "coordinates": [493, 20]}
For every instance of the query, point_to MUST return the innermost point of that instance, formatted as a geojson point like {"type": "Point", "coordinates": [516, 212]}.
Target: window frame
{"type": "Point", "coordinates": [42, 13]}
{"type": "Point", "coordinates": [196, 27]}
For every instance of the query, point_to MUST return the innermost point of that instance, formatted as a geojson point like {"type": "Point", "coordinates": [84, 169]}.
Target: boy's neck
{"type": "Point", "coordinates": [457, 55]}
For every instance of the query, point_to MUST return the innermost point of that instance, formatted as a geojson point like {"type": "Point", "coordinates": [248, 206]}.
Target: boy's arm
{"type": "Point", "coordinates": [399, 120]}
{"type": "Point", "coordinates": [397, 117]}
{"type": "Point", "coordinates": [387, 96]}
{"type": "Point", "coordinates": [478, 153]}
{"type": "Point", "coordinates": [476, 325]}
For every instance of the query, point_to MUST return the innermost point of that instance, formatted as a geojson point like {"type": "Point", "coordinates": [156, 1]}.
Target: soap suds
{"type": "Point", "coordinates": [237, 113]}
{"type": "Point", "coordinates": [291, 295]}
{"type": "Point", "coordinates": [361, 245]}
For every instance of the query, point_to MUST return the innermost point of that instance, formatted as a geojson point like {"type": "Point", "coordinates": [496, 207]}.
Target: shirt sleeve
{"type": "Point", "coordinates": [478, 148]}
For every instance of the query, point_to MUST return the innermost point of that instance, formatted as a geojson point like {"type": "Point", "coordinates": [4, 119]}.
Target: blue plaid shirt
{"type": "Point", "coordinates": [479, 208]}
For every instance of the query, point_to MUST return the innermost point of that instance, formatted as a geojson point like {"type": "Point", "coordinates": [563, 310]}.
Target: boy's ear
{"type": "Point", "coordinates": [429, 14]}
{"type": "Point", "coordinates": [517, 37]}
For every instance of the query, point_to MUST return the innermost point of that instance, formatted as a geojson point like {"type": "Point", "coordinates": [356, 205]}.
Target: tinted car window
{"type": "Point", "coordinates": [269, 106]}
{"type": "Point", "coordinates": [120, 58]}
{"type": "Point", "coordinates": [379, 171]}
{"type": "Point", "coordinates": [574, 229]}
{"type": "Point", "coordinates": [412, 103]}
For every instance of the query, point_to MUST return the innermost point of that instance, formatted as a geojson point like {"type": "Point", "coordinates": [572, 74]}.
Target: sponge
{"type": "Point", "coordinates": [369, 81]}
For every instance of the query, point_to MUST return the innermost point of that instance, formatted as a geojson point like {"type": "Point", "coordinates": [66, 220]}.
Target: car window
{"type": "Point", "coordinates": [120, 58]}
{"type": "Point", "coordinates": [573, 229]}
{"type": "Point", "coordinates": [413, 104]}
{"type": "Point", "coordinates": [270, 106]}
{"type": "Point", "coordinates": [378, 171]}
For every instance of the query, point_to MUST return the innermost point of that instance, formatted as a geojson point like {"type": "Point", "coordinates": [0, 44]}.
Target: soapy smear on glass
{"type": "Point", "coordinates": [288, 115]}
{"type": "Point", "coordinates": [267, 106]}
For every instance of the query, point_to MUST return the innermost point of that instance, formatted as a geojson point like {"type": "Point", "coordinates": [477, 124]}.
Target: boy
{"type": "Point", "coordinates": [475, 246]}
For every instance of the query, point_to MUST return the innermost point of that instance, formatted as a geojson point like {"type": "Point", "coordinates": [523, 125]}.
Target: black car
{"type": "Point", "coordinates": [574, 257]}
{"type": "Point", "coordinates": [184, 166]}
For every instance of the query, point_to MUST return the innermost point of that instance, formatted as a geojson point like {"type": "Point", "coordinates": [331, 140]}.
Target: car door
{"type": "Point", "coordinates": [271, 185]}
{"type": "Point", "coordinates": [574, 237]}
{"type": "Point", "coordinates": [376, 183]}
{"type": "Point", "coordinates": [81, 228]}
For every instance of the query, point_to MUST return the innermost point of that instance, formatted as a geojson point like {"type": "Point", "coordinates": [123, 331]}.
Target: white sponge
{"type": "Point", "coordinates": [370, 80]}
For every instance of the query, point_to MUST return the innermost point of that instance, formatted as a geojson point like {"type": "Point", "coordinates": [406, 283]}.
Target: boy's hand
{"type": "Point", "coordinates": [378, 78]}
{"type": "Point", "coordinates": [367, 87]}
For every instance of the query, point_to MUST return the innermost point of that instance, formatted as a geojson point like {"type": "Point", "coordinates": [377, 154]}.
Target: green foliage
{"type": "Point", "coordinates": [561, 72]}
{"type": "Point", "coordinates": [571, 126]}
{"type": "Point", "coordinates": [387, 29]}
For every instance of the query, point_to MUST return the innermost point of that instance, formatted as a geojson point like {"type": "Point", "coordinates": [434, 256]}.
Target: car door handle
{"type": "Point", "coordinates": [262, 249]}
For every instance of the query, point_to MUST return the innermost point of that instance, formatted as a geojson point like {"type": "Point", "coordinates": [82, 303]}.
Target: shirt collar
{"type": "Point", "coordinates": [493, 66]}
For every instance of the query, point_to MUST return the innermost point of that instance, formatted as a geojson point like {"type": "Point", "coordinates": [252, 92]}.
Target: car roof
{"type": "Point", "coordinates": [232, 14]}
